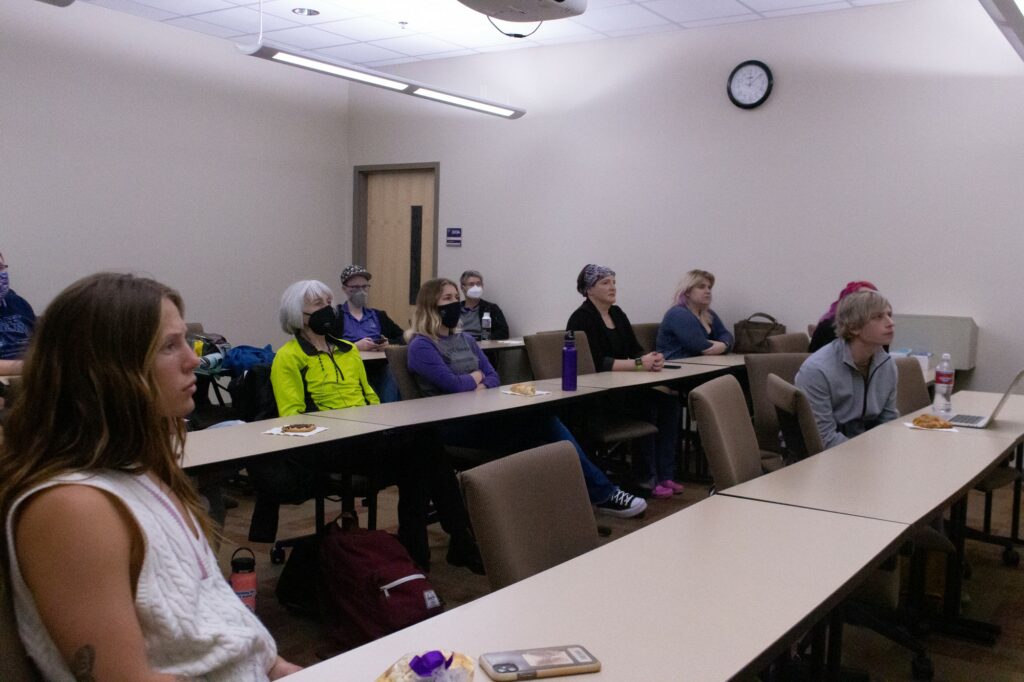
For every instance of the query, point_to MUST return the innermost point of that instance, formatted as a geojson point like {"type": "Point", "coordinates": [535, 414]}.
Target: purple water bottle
{"type": "Point", "coordinates": [569, 362]}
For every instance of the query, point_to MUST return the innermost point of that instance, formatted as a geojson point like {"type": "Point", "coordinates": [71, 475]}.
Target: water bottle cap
{"type": "Point", "coordinates": [570, 335]}
{"type": "Point", "coordinates": [243, 564]}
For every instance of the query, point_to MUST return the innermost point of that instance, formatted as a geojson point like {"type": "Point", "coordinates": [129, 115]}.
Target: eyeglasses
{"type": "Point", "coordinates": [3, 267]}
{"type": "Point", "coordinates": [358, 287]}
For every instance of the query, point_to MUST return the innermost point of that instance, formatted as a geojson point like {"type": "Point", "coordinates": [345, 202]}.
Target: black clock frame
{"type": "Point", "coordinates": [764, 98]}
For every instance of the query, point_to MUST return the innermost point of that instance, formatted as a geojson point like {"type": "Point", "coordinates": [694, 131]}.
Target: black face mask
{"type": "Point", "coordinates": [326, 322]}
{"type": "Point", "coordinates": [450, 314]}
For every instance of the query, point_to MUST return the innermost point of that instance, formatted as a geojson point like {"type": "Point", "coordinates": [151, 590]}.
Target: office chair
{"type": "Point", "coordinates": [530, 511]}
{"type": "Point", "coordinates": [647, 335]}
{"type": "Point", "coordinates": [911, 396]}
{"type": "Point", "coordinates": [607, 433]}
{"type": "Point", "coordinates": [796, 342]}
{"type": "Point", "coordinates": [880, 591]}
{"type": "Point", "coordinates": [728, 436]}
{"type": "Point", "coordinates": [766, 423]}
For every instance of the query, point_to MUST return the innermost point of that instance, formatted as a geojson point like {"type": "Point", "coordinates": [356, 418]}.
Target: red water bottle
{"type": "Point", "coordinates": [243, 577]}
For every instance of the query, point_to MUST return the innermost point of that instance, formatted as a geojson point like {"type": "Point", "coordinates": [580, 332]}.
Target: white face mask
{"type": "Point", "coordinates": [475, 291]}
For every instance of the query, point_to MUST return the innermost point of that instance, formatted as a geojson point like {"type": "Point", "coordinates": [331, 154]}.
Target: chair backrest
{"type": "Point", "coordinates": [911, 389]}
{"type": "Point", "coordinates": [530, 511]}
{"type": "Point", "coordinates": [795, 419]}
{"type": "Point", "coordinates": [193, 328]}
{"type": "Point", "coordinates": [544, 351]}
{"type": "Point", "coordinates": [647, 335]}
{"type": "Point", "coordinates": [796, 342]}
{"type": "Point", "coordinates": [14, 662]}
{"type": "Point", "coordinates": [759, 366]}
{"type": "Point", "coordinates": [720, 410]}
{"type": "Point", "coordinates": [398, 363]}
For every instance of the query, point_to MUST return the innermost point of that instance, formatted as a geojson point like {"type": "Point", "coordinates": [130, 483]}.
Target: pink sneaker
{"type": "Point", "coordinates": [661, 492]}
{"type": "Point", "coordinates": [676, 488]}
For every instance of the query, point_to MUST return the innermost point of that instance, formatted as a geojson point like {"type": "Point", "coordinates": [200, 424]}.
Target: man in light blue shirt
{"type": "Point", "coordinates": [851, 382]}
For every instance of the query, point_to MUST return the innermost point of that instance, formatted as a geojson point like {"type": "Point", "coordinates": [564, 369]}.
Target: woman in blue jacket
{"type": "Point", "coordinates": [691, 327]}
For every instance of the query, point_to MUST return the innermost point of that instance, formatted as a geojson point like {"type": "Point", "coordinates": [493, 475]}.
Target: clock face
{"type": "Point", "coordinates": [750, 83]}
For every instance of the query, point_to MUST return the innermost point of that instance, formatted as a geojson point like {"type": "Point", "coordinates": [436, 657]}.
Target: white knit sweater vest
{"type": "Point", "coordinates": [193, 623]}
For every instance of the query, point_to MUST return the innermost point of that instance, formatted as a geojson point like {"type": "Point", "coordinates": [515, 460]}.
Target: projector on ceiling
{"type": "Point", "coordinates": [527, 10]}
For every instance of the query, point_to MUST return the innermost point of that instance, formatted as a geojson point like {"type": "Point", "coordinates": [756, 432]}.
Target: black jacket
{"type": "Point", "coordinates": [499, 327]}
{"type": "Point", "coordinates": [587, 319]}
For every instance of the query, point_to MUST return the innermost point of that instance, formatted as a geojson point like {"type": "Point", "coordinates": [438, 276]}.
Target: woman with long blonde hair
{"type": "Point", "coordinates": [691, 327]}
{"type": "Point", "coordinates": [111, 571]}
{"type": "Point", "coordinates": [444, 360]}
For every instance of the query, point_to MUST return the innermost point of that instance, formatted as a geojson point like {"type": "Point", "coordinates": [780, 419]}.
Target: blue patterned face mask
{"type": "Point", "coordinates": [5, 283]}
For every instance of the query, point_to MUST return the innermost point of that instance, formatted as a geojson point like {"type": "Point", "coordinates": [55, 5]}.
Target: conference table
{"type": "Point", "coordinates": [717, 589]}
{"type": "Point", "coordinates": [486, 346]}
{"type": "Point", "coordinates": [724, 360]}
{"type": "Point", "coordinates": [905, 475]}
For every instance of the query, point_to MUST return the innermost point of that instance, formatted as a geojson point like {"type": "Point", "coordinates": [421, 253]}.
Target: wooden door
{"type": "Point", "coordinates": [400, 237]}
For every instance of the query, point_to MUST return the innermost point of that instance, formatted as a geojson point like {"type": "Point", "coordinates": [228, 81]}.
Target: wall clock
{"type": "Point", "coordinates": [750, 83]}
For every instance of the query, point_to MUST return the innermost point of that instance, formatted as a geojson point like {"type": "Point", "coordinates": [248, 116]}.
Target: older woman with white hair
{"type": "Point", "coordinates": [320, 367]}
{"type": "Point", "coordinates": [691, 327]}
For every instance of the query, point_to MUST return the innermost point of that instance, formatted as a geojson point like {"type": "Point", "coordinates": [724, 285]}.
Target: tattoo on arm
{"type": "Point", "coordinates": [82, 664]}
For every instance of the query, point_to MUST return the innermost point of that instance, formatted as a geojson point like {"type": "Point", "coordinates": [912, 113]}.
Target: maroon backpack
{"type": "Point", "coordinates": [369, 585]}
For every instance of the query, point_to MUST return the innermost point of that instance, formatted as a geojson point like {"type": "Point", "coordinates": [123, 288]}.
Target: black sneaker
{"type": "Point", "coordinates": [623, 505]}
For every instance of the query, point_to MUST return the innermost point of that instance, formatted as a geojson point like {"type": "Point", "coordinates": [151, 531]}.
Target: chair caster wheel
{"type": "Point", "coordinates": [1011, 557]}
{"type": "Point", "coordinates": [921, 668]}
{"type": "Point", "coordinates": [277, 556]}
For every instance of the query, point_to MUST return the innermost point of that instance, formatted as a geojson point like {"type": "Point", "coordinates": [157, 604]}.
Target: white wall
{"type": "Point", "coordinates": [130, 145]}
{"type": "Point", "coordinates": [890, 131]}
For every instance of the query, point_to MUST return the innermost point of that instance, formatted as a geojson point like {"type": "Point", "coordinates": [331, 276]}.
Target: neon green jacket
{"type": "Point", "coordinates": [333, 380]}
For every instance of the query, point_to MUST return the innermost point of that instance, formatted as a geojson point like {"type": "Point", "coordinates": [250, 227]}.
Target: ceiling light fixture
{"type": "Point", "coordinates": [381, 80]}
{"type": "Point", "coordinates": [1008, 15]}
{"type": "Point", "coordinates": [306, 12]}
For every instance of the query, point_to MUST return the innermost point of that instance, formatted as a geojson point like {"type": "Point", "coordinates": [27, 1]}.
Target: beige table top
{"type": "Point", "coordinates": [891, 472]}
{"type": "Point", "coordinates": [610, 380]}
{"type": "Point", "coordinates": [213, 446]}
{"type": "Point", "coordinates": [506, 344]}
{"type": "Point", "coordinates": [1009, 423]}
{"type": "Point", "coordinates": [446, 407]}
{"type": "Point", "coordinates": [686, 593]}
{"type": "Point", "coordinates": [727, 360]}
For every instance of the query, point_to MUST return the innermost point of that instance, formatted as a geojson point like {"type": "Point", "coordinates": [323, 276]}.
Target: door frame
{"type": "Point", "coordinates": [360, 205]}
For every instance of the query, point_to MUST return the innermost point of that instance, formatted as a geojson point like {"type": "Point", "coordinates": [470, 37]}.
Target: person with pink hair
{"type": "Point", "coordinates": [825, 332]}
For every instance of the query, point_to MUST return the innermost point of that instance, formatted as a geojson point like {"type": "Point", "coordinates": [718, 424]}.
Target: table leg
{"type": "Point", "coordinates": [951, 622]}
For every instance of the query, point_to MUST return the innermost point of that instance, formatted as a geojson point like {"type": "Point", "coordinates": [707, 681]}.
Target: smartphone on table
{"type": "Point", "coordinates": [530, 664]}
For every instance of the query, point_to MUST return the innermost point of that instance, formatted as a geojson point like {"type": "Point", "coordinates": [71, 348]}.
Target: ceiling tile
{"type": "Point", "coordinates": [364, 28]}
{"type": "Point", "coordinates": [563, 28]}
{"type": "Point", "coordinates": [306, 37]}
{"type": "Point", "coordinates": [391, 62]}
{"type": "Point", "coordinates": [359, 53]}
{"type": "Point", "coordinates": [618, 18]}
{"type": "Point", "coordinates": [328, 11]}
{"type": "Point", "coordinates": [722, 21]}
{"type": "Point", "coordinates": [641, 30]}
{"type": "Point", "coordinates": [416, 45]}
{"type": "Point", "coordinates": [245, 20]}
{"type": "Point", "coordinates": [204, 27]}
{"type": "Point", "coordinates": [808, 9]}
{"type": "Point", "coordinates": [776, 5]}
{"type": "Point", "coordinates": [132, 7]}
{"type": "Point", "coordinates": [186, 7]}
{"type": "Point", "coordinates": [696, 10]}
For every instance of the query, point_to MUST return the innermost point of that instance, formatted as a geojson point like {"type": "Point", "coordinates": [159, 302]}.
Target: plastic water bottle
{"type": "Point", "coordinates": [943, 386]}
{"type": "Point", "coordinates": [569, 362]}
{"type": "Point", "coordinates": [211, 361]}
{"type": "Point", "coordinates": [243, 577]}
{"type": "Point", "coordinates": [485, 326]}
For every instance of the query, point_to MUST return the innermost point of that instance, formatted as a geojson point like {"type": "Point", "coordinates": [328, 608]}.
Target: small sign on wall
{"type": "Point", "coordinates": [453, 236]}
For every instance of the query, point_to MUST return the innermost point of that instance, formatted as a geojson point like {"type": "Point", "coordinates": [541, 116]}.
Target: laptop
{"type": "Point", "coordinates": [975, 421]}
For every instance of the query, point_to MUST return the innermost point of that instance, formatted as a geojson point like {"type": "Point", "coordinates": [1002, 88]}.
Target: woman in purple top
{"type": "Point", "coordinates": [444, 360]}
{"type": "Point", "coordinates": [691, 327]}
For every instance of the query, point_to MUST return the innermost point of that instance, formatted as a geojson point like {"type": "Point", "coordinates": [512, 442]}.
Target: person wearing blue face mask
{"type": "Point", "coordinates": [17, 320]}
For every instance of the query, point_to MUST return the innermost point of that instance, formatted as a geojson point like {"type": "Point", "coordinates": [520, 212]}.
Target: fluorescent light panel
{"type": "Point", "coordinates": [381, 80]}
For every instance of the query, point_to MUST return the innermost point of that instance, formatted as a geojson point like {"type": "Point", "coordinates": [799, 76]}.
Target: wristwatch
{"type": "Point", "coordinates": [639, 364]}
